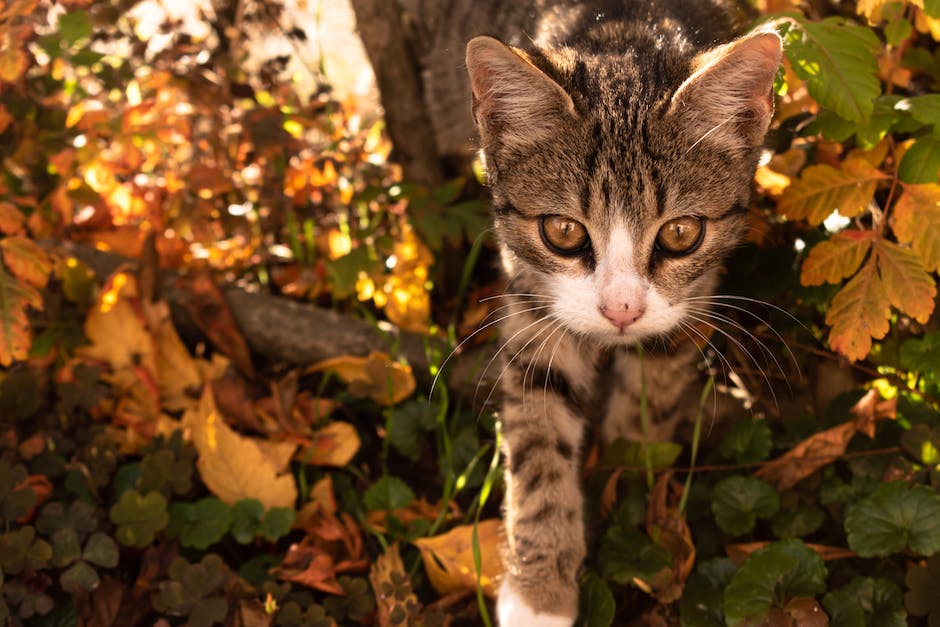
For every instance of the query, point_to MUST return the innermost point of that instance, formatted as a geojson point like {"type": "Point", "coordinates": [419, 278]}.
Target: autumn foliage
{"type": "Point", "coordinates": [155, 469]}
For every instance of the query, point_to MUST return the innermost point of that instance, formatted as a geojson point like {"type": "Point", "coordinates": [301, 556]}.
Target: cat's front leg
{"type": "Point", "coordinates": [542, 425]}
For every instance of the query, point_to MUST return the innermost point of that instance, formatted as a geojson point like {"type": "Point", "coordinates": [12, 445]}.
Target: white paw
{"type": "Point", "coordinates": [513, 612]}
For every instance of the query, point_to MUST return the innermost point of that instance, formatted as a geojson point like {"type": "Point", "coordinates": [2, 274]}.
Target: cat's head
{"type": "Point", "coordinates": [619, 184]}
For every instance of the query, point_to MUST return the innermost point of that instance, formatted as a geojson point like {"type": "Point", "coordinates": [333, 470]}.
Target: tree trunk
{"type": "Point", "coordinates": [382, 31]}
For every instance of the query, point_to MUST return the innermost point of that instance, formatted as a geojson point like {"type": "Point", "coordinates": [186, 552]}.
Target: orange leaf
{"type": "Point", "coordinates": [917, 222]}
{"type": "Point", "coordinates": [839, 257]}
{"type": "Point", "coordinates": [740, 552]}
{"type": "Point", "coordinates": [377, 377]}
{"type": "Point", "coordinates": [858, 313]}
{"type": "Point", "coordinates": [448, 558]}
{"type": "Point", "coordinates": [15, 337]}
{"type": "Point", "coordinates": [822, 189]}
{"type": "Point", "coordinates": [906, 283]}
{"type": "Point", "coordinates": [11, 219]}
{"type": "Point", "coordinates": [333, 445]}
{"type": "Point", "coordinates": [5, 118]}
{"type": "Point", "coordinates": [26, 260]}
{"type": "Point", "coordinates": [233, 466]}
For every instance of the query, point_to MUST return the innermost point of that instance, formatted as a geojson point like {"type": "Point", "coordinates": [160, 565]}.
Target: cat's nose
{"type": "Point", "coordinates": [622, 317]}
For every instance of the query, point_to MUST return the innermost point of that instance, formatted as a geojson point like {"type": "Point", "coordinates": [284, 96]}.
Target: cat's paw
{"type": "Point", "coordinates": [513, 611]}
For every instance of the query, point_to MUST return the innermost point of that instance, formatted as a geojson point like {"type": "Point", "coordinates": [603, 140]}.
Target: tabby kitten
{"type": "Point", "coordinates": [620, 145]}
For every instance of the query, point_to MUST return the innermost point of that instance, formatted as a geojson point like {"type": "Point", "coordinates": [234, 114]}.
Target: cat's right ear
{"type": "Point", "coordinates": [513, 101]}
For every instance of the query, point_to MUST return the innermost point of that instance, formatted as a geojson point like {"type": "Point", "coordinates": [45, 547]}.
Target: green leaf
{"type": "Point", "coordinates": [925, 109]}
{"type": "Point", "coordinates": [101, 550]}
{"type": "Point", "coordinates": [897, 30]}
{"type": "Point", "coordinates": [623, 453]}
{"type": "Point", "coordinates": [921, 162]}
{"type": "Point", "coordinates": [783, 569]}
{"type": "Point", "coordinates": [749, 440]}
{"type": "Point", "coordinates": [65, 547]}
{"type": "Point", "coordinates": [837, 59]}
{"type": "Point", "coordinates": [388, 493]}
{"type": "Point", "coordinates": [626, 554]}
{"type": "Point", "coordinates": [596, 603]}
{"type": "Point", "coordinates": [247, 516]}
{"type": "Point", "coordinates": [894, 517]}
{"type": "Point", "coordinates": [797, 522]}
{"type": "Point", "coordinates": [21, 550]}
{"type": "Point", "coordinates": [922, 443]}
{"type": "Point", "coordinates": [879, 600]}
{"type": "Point", "coordinates": [79, 577]}
{"type": "Point", "coordinates": [738, 502]}
{"type": "Point", "coordinates": [701, 604]}
{"type": "Point", "coordinates": [162, 471]}
{"type": "Point", "coordinates": [932, 8]}
{"type": "Point", "coordinates": [844, 610]}
{"type": "Point", "coordinates": [407, 425]}
{"type": "Point", "coordinates": [139, 518]}
{"type": "Point", "coordinates": [277, 523]}
{"type": "Point", "coordinates": [74, 26]}
{"type": "Point", "coordinates": [200, 524]}
{"type": "Point", "coordinates": [922, 354]}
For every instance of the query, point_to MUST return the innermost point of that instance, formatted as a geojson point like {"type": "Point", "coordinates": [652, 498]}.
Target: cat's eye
{"type": "Point", "coordinates": [563, 235]}
{"type": "Point", "coordinates": [680, 236]}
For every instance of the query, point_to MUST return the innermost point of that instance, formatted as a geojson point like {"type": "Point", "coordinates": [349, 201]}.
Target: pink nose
{"type": "Point", "coordinates": [621, 318]}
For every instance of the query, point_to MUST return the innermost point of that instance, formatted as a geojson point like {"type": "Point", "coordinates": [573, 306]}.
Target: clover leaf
{"type": "Point", "coordinates": [139, 518]}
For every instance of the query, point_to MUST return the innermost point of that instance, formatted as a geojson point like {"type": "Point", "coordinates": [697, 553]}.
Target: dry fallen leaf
{"type": "Point", "coordinates": [740, 552]}
{"type": "Point", "coordinates": [233, 466]}
{"type": "Point", "coordinates": [418, 509]}
{"type": "Point", "coordinates": [670, 530]}
{"type": "Point", "coordinates": [823, 448]}
{"type": "Point", "coordinates": [377, 377]}
{"type": "Point", "coordinates": [448, 558]}
{"type": "Point", "coordinates": [392, 587]}
{"type": "Point", "coordinates": [333, 445]}
{"type": "Point", "coordinates": [116, 329]}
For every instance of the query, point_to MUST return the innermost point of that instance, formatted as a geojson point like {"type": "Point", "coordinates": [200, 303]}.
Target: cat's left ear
{"type": "Point", "coordinates": [728, 99]}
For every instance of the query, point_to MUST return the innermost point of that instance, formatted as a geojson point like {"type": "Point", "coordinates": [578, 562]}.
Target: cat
{"type": "Point", "coordinates": [620, 139]}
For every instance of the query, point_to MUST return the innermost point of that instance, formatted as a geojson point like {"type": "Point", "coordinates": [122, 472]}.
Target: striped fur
{"type": "Point", "coordinates": [623, 117]}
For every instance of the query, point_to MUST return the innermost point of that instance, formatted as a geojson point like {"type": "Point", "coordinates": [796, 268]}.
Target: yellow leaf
{"type": "Point", "coordinates": [770, 181]}
{"type": "Point", "coordinates": [116, 330]}
{"type": "Point", "coordinates": [13, 58]}
{"type": "Point", "coordinates": [178, 377]}
{"type": "Point", "coordinates": [233, 466]}
{"type": "Point", "coordinates": [377, 377]}
{"type": "Point", "coordinates": [906, 283]}
{"type": "Point", "coordinates": [448, 558]}
{"type": "Point", "coordinates": [858, 313]}
{"type": "Point", "coordinates": [926, 24]}
{"type": "Point", "coordinates": [917, 222]}
{"type": "Point", "coordinates": [871, 9]}
{"type": "Point", "coordinates": [821, 189]}
{"type": "Point", "coordinates": [333, 445]}
{"type": "Point", "coordinates": [839, 257]}
{"type": "Point", "coordinates": [26, 260]}
{"type": "Point", "coordinates": [278, 453]}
